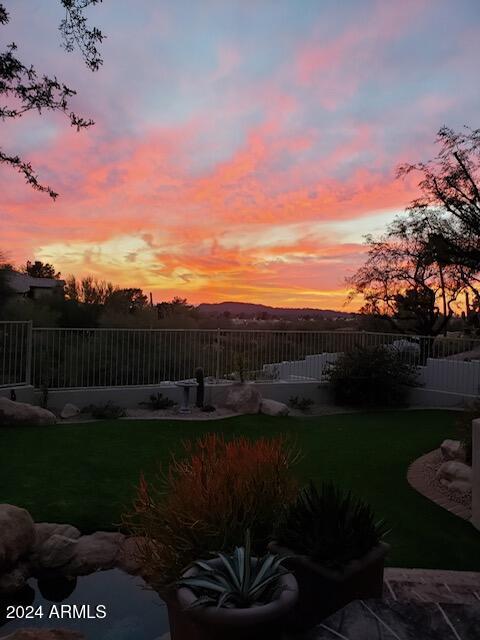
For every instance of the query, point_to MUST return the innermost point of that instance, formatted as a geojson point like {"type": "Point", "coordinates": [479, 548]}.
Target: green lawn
{"type": "Point", "coordinates": [85, 474]}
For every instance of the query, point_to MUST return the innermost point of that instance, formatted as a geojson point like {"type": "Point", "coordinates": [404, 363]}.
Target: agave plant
{"type": "Point", "coordinates": [330, 526]}
{"type": "Point", "coordinates": [236, 581]}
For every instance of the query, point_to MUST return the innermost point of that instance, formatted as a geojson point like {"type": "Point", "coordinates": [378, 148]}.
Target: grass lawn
{"type": "Point", "coordinates": [85, 474]}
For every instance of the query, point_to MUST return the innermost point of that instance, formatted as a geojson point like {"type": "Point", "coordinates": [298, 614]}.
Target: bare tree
{"type": "Point", "coordinates": [451, 182]}
{"type": "Point", "coordinates": [405, 283]}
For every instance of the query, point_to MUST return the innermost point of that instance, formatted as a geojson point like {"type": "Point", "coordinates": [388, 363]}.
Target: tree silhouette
{"type": "Point", "coordinates": [451, 182]}
{"type": "Point", "coordinates": [39, 269]}
{"type": "Point", "coordinates": [22, 89]}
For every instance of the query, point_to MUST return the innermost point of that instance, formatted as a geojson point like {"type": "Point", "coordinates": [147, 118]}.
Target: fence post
{"type": "Point", "coordinates": [29, 349]}
{"type": "Point", "coordinates": [217, 366]}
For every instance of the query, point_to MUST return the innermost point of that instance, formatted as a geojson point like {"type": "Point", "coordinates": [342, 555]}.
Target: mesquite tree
{"type": "Point", "coordinates": [23, 89]}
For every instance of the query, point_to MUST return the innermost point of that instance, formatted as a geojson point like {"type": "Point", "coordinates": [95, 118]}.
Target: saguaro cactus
{"type": "Point", "coordinates": [201, 387]}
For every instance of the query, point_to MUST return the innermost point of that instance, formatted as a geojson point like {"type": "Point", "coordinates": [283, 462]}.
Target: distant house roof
{"type": "Point", "coordinates": [23, 283]}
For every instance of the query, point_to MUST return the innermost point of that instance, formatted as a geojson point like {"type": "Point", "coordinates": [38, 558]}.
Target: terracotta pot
{"type": "Point", "coordinates": [323, 591]}
{"type": "Point", "coordinates": [264, 622]}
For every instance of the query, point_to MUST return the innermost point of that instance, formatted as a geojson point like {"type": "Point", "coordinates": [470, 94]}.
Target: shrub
{"type": "Point", "coordinates": [107, 411]}
{"type": "Point", "coordinates": [205, 502]}
{"type": "Point", "coordinates": [157, 402]}
{"type": "Point", "coordinates": [302, 404]}
{"type": "Point", "coordinates": [330, 526]}
{"type": "Point", "coordinates": [371, 376]}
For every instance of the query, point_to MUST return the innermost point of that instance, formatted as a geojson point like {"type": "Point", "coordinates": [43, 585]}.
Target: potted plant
{"type": "Point", "coordinates": [335, 549]}
{"type": "Point", "coordinates": [236, 596]}
{"type": "Point", "coordinates": [204, 502]}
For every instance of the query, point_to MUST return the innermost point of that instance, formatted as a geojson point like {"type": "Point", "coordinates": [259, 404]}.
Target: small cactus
{"type": "Point", "coordinates": [201, 387]}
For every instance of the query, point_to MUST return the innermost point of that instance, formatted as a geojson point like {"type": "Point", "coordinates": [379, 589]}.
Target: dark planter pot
{"type": "Point", "coordinates": [323, 591]}
{"type": "Point", "coordinates": [265, 622]}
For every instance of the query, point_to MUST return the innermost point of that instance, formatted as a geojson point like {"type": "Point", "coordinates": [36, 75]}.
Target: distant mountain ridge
{"type": "Point", "coordinates": [249, 309]}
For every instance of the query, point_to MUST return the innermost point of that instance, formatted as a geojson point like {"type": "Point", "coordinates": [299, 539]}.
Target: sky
{"type": "Point", "coordinates": [241, 149]}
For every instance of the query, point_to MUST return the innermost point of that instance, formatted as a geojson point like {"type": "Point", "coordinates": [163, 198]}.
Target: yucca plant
{"type": "Point", "coordinates": [236, 581]}
{"type": "Point", "coordinates": [330, 526]}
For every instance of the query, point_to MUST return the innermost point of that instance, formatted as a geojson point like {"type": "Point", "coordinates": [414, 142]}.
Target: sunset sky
{"type": "Point", "coordinates": [241, 148]}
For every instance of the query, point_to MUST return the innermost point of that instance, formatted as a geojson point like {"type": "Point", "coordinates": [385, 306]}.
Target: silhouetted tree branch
{"type": "Point", "coordinates": [24, 90]}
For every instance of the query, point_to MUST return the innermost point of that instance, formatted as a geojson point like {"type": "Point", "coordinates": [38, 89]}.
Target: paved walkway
{"type": "Point", "coordinates": [421, 585]}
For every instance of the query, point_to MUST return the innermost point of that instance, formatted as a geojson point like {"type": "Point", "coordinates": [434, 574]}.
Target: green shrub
{"type": "Point", "coordinates": [302, 404]}
{"type": "Point", "coordinates": [107, 411]}
{"type": "Point", "coordinates": [158, 401]}
{"type": "Point", "coordinates": [330, 526]}
{"type": "Point", "coordinates": [371, 377]}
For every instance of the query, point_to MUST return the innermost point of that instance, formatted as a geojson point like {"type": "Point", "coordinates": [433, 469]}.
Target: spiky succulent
{"type": "Point", "coordinates": [330, 526]}
{"type": "Point", "coordinates": [237, 580]}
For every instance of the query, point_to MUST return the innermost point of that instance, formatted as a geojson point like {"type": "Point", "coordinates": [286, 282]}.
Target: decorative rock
{"type": "Point", "coordinates": [461, 486]}
{"type": "Point", "coordinates": [243, 398]}
{"type": "Point", "coordinates": [452, 450]}
{"type": "Point", "coordinates": [23, 414]}
{"type": "Point", "coordinates": [15, 580]}
{"type": "Point", "coordinates": [44, 634]}
{"type": "Point", "coordinates": [273, 408]}
{"type": "Point", "coordinates": [55, 552]}
{"type": "Point", "coordinates": [128, 559]}
{"type": "Point", "coordinates": [94, 552]}
{"type": "Point", "coordinates": [17, 534]}
{"type": "Point", "coordinates": [457, 474]}
{"type": "Point", "coordinates": [44, 530]}
{"type": "Point", "coordinates": [69, 411]}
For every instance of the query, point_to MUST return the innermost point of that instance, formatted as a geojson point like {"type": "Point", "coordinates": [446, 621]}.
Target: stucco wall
{"type": "Point", "coordinates": [476, 474]}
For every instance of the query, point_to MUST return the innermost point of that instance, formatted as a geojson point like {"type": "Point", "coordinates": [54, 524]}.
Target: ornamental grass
{"type": "Point", "coordinates": [205, 501]}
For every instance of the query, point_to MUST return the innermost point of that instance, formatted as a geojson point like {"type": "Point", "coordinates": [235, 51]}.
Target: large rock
{"type": "Point", "coordinates": [69, 411]}
{"type": "Point", "coordinates": [453, 450]}
{"type": "Point", "coordinates": [44, 634]}
{"type": "Point", "coordinates": [243, 398]}
{"type": "Point", "coordinates": [44, 530]}
{"type": "Point", "coordinates": [98, 551]}
{"type": "Point", "coordinates": [17, 534]}
{"type": "Point", "coordinates": [273, 408]}
{"type": "Point", "coordinates": [23, 414]}
{"type": "Point", "coordinates": [14, 580]}
{"type": "Point", "coordinates": [128, 559]}
{"type": "Point", "coordinates": [455, 475]}
{"type": "Point", "coordinates": [55, 552]}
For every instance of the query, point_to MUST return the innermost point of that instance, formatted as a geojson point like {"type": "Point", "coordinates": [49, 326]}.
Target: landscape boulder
{"type": "Point", "coordinates": [69, 411]}
{"type": "Point", "coordinates": [55, 552]}
{"type": "Point", "coordinates": [17, 534]}
{"type": "Point", "coordinates": [452, 450]}
{"type": "Point", "coordinates": [128, 559]}
{"type": "Point", "coordinates": [44, 530]}
{"type": "Point", "coordinates": [97, 551]}
{"type": "Point", "coordinates": [14, 580]}
{"type": "Point", "coordinates": [24, 414]}
{"type": "Point", "coordinates": [243, 398]}
{"type": "Point", "coordinates": [455, 475]}
{"type": "Point", "coordinates": [273, 408]}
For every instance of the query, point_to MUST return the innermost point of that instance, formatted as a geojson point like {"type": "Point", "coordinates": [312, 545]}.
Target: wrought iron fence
{"type": "Point", "coordinates": [15, 353]}
{"type": "Point", "coordinates": [65, 358]}
{"type": "Point", "coordinates": [72, 358]}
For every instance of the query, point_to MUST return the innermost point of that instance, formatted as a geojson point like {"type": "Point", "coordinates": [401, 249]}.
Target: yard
{"type": "Point", "coordinates": [85, 474]}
